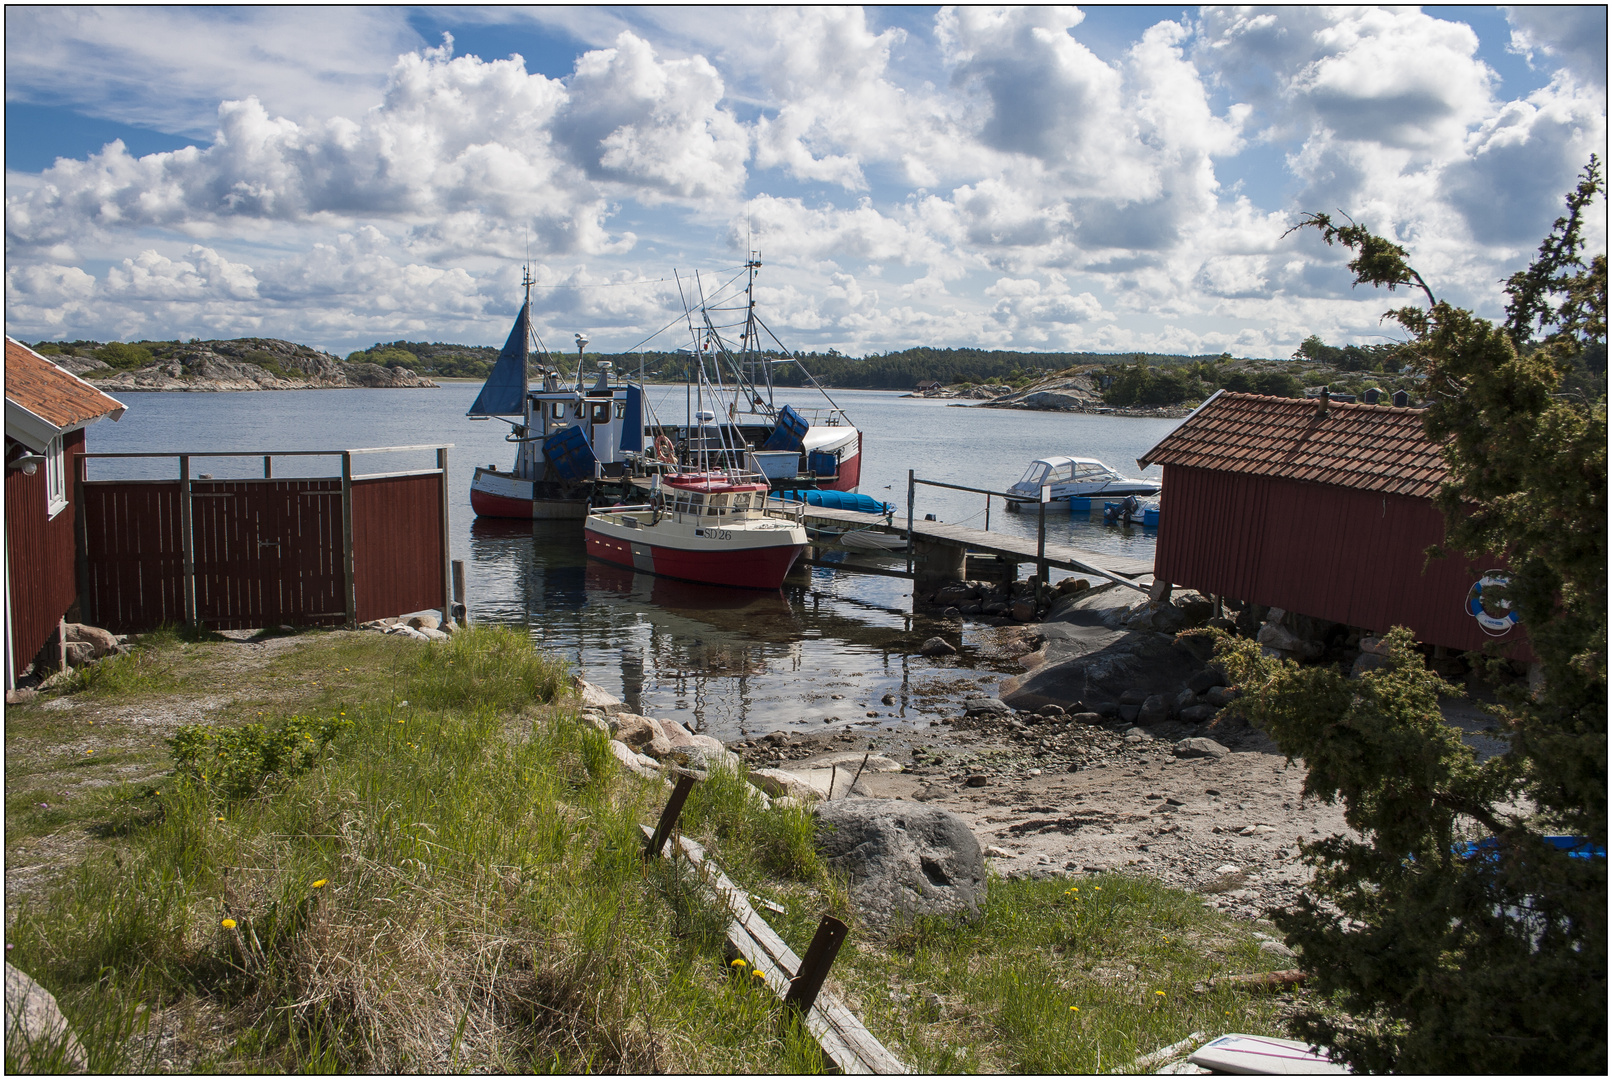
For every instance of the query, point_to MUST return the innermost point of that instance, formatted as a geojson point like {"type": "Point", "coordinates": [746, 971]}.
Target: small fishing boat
{"type": "Point", "coordinates": [1075, 478]}
{"type": "Point", "coordinates": [569, 441]}
{"type": "Point", "coordinates": [715, 527]}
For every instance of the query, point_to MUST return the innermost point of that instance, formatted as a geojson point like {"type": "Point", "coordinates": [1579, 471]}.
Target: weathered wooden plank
{"type": "Point", "coordinates": [844, 1039]}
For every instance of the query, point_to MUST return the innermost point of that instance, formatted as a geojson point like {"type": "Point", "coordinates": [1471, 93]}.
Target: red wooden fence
{"type": "Point", "coordinates": [237, 554]}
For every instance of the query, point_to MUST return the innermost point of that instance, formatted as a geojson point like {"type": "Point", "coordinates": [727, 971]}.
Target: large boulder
{"type": "Point", "coordinates": [903, 859]}
{"type": "Point", "coordinates": [641, 733]}
{"type": "Point", "coordinates": [37, 1036]}
{"type": "Point", "coordinates": [103, 641]}
{"type": "Point", "coordinates": [1151, 662]}
{"type": "Point", "coordinates": [936, 646]}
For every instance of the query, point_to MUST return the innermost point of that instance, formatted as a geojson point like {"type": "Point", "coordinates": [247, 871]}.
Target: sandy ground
{"type": "Point", "coordinates": [1095, 800]}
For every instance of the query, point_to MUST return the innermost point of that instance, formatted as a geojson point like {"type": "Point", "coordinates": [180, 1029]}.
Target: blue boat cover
{"type": "Point", "coordinates": [568, 451]}
{"type": "Point", "coordinates": [632, 424]}
{"type": "Point", "coordinates": [837, 500]}
{"type": "Point", "coordinates": [789, 432]}
{"type": "Point", "coordinates": [504, 392]}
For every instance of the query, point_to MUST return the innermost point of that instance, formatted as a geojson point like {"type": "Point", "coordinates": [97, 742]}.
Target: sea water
{"type": "Point", "coordinates": [826, 648]}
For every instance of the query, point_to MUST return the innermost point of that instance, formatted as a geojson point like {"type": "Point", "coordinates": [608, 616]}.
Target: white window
{"type": "Point", "coordinates": [55, 476]}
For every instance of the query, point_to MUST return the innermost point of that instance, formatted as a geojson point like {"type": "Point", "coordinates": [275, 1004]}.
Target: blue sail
{"type": "Point", "coordinates": [632, 425]}
{"type": "Point", "coordinates": [504, 392]}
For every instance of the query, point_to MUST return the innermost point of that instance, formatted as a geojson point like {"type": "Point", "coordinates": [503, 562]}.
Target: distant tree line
{"type": "Point", "coordinates": [1139, 383]}
{"type": "Point", "coordinates": [430, 358]}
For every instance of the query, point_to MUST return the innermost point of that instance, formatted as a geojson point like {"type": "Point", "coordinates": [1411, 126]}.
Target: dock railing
{"type": "Point", "coordinates": [1041, 523]}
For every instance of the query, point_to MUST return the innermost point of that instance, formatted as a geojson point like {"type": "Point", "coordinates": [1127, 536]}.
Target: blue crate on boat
{"type": "Point", "coordinates": [822, 463]}
{"type": "Point", "coordinates": [567, 450]}
{"type": "Point", "coordinates": [790, 431]}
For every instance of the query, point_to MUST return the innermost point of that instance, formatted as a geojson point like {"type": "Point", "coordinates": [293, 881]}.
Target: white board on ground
{"type": "Point", "coordinates": [1261, 1055]}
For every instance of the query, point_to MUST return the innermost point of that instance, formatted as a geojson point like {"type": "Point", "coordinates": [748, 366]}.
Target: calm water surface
{"type": "Point", "coordinates": [826, 647]}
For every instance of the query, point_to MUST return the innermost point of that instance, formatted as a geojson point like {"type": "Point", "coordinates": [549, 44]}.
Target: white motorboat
{"type": "Point", "coordinates": [1075, 478]}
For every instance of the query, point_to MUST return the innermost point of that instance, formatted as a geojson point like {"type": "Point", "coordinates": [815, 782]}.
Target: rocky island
{"type": "Point", "coordinates": [214, 366]}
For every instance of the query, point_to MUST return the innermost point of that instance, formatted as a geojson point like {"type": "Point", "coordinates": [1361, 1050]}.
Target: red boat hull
{"type": "Point", "coordinates": [758, 568]}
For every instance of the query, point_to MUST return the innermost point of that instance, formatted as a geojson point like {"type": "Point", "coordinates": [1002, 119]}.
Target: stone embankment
{"type": "Point", "coordinates": [248, 364]}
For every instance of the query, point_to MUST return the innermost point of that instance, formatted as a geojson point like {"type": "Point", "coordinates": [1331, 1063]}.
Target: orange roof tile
{"type": "Point", "coordinates": [1366, 447]}
{"type": "Point", "coordinates": [55, 395]}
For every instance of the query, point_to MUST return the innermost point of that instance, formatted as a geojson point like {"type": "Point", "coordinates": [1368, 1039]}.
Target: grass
{"type": "Point", "coordinates": [446, 876]}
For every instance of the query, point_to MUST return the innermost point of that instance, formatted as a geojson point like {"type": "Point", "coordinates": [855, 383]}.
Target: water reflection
{"type": "Point", "coordinates": [826, 647]}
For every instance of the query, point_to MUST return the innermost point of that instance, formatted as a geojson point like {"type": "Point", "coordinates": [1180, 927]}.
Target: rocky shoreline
{"type": "Point", "coordinates": [245, 364]}
{"type": "Point", "coordinates": [1077, 393]}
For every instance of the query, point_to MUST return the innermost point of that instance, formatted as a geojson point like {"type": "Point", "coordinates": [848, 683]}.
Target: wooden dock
{"type": "Point", "coordinates": [979, 542]}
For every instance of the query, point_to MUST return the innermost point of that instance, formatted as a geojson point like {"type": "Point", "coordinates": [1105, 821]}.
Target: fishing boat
{"type": "Point", "coordinates": [715, 527]}
{"type": "Point", "coordinates": [744, 426]}
{"type": "Point", "coordinates": [1074, 478]}
{"type": "Point", "coordinates": [570, 442]}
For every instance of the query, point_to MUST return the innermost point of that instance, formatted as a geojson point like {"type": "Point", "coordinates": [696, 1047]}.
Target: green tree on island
{"type": "Point", "coordinates": [1447, 961]}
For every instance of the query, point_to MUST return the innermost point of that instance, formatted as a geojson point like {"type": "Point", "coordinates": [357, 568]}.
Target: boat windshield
{"type": "Point", "coordinates": [1033, 475]}
{"type": "Point", "coordinates": [1093, 470]}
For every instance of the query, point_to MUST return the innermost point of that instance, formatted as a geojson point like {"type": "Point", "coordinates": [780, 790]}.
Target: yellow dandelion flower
{"type": "Point", "coordinates": [221, 817]}
{"type": "Point", "coordinates": [321, 883]}
{"type": "Point", "coordinates": [1074, 1008]}
{"type": "Point", "coordinates": [756, 973]}
{"type": "Point", "coordinates": [737, 964]}
{"type": "Point", "coordinates": [1160, 993]}
{"type": "Point", "coordinates": [89, 751]}
{"type": "Point", "coordinates": [228, 924]}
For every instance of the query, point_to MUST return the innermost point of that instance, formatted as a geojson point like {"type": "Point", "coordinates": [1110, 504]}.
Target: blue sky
{"type": "Point", "coordinates": [1106, 179]}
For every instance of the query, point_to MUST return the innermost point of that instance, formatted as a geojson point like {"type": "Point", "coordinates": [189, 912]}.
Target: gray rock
{"type": "Point", "coordinates": [1155, 710]}
{"type": "Point", "coordinates": [629, 759]}
{"type": "Point", "coordinates": [903, 859]}
{"type": "Point", "coordinates": [104, 641]}
{"type": "Point", "coordinates": [595, 698]}
{"type": "Point", "coordinates": [704, 758]}
{"type": "Point", "coordinates": [38, 1038]}
{"type": "Point", "coordinates": [1367, 661]}
{"type": "Point", "coordinates": [1203, 681]}
{"type": "Point", "coordinates": [780, 783]}
{"type": "Point", "coordinates": [1278, 949]}
{"type": "Point", "coordinates": [79, 653]}
{"type": "Point", "coordinates": [1129, 713]}
{"type": "Point", "coordinates": [433, 634]}
{"type": "Point", "coordinates": [979, 706]}
{"type": "Point", "coordinates": [1022, 610]}
{"type": "Point", "coordinates": [1197, 714]}
{"type": "Point", "coordinates": [637, 731]}
{"type": "Point", "coordinates": [1198, 746]}
{"type": "Point", "coordinates": [1220, 696]}
{"type": "Point", "coordinates": [425, 622]}
{"type": "Point", "coordinates": [936, 647]}
{"type": "Point", "coordinates": [960, 593]}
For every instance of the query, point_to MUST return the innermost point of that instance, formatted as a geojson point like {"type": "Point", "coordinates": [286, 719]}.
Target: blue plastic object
{"type": "Point", "coordinates": [790, 431]}
{"type": "Point", "coordinates": [632, 425]}
{"type": "Point", "coordinates": [1577, 847]}
{"type": "Point", "coordinates": [567, 450]}
{"type": "Point", "coordinates": [837, 500]}
{"type": "Point", "coordinates": [822, 463]}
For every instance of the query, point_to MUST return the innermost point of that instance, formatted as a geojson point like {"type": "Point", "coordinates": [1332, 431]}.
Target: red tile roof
{"type": "Point", "coordinates": [53, 394]}
{"type": "Point", "coordinates": [1366, 447]}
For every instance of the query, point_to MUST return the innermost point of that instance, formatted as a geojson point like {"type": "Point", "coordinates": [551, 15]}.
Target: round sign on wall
{"type": "Point", "coordinates": [1486, 602]}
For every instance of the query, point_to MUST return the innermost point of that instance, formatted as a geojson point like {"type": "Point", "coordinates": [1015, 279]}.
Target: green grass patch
{"type": "Point", "coordinates": [418, 858]}
{"type": "Point", "coordinates": [1060, 976]}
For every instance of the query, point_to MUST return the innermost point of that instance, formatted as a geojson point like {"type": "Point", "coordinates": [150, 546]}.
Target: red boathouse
{"type": "Point", "coordinates": [1319, 507]}
{"type": "Point", "coordinates": [47, 409]}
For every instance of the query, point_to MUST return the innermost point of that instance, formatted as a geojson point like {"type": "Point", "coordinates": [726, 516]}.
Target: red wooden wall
{"type": "Point", "coordinates": [40, 555]}
{"type": "Point", "coordinates": [1349, 556]}
{"type": "Point", "coordinates": [398, 545]}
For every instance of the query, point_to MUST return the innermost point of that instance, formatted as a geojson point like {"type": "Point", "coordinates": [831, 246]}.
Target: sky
{"type": "Point", "coordinates": [1105, 179]}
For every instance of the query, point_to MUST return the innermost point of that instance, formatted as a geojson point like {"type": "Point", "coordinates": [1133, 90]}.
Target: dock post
{"type": "Point", "coordinates": [1041, 534]}
{"type": "Point", "coordinates": [460, 612]}
{"type": "Point", "coordinates": [912, 488]}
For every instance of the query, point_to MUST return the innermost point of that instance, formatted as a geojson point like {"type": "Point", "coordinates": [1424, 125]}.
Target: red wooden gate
{"type": "Point", "coordinates": [238, 554]}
